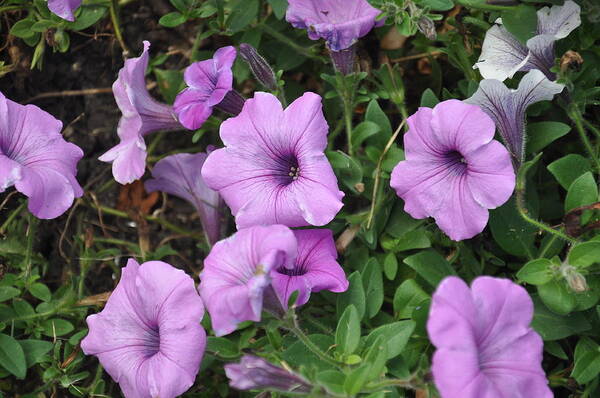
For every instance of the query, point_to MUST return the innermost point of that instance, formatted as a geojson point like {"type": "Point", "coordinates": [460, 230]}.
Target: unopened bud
{"type": "Point", "coordinates": [427, 27]}
{"type": "Point", "coordinates": [259, 66]}
{"type": "Point", "coordinates": [254, 373]}
{"type": "Point", "coordinates": [574, 279]}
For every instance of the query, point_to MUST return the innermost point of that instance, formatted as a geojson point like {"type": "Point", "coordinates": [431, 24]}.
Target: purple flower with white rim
{"type": "Point", "coordinates": [142, 115]}
{"type": "Point", "coordinates": [507, 107]}
{"type": "Point", "coordinates": [254, 373]}
{"type": "Point", "coordinates": [485, 347]}
{"type": "Point", "coordinates": [64, 8]}
{"type": "Point", "coordinates": [273, 169]}
{"type": "Point", "coordinates": [454, 170]}
{"type": "Point", "coordinates": [210, 85]}
{"type": "Point", "coordinates": [339, 22]}
{"type": "Point", "coordinates": [237, 271]}
{"type": "Point", "coordinates": [151, 344]}
{"type": "Point", "coordinates": [35, 158]}
{"type": "Point", "coordinates": [180, 175]}
{"type": "Point", "coordinates": [315, 268]}
{"type": "Point", "coordinates": [503, 55]}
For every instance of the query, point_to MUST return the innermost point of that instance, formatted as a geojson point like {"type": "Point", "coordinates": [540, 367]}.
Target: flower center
{"type": "Point", "coordinates": [456, 162]}
{"type": "Point", "coordinates": [151, 341]}
{"type": "Point", "coordinates": [286, 169]}
{"type": "Point", "coordinates": [298, 270]}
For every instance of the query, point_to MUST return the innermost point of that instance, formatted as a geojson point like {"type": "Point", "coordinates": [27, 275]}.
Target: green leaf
{"type": "Point", "coordinates": [584, 254]}
{"type": "Point", "coordinates": [12, 357]}
{"type": "Point", "coordinates": [552, 326]}
{"type": "Point", "coordinates": [242, 14]}
{"type": "Point", "coordinates": [376, 357]}
{"type": "Point", "coordinates": [587, 367]}
{"type": "Point", "coordinates": [436, 5]}
{"type": "Point", "coordinates": [521, 21]}
{"type": "Point", "coordinates": [416, 239]}
{"type": "Point", "coordinates": [407, 297]}
{"type": "Point", "coordinates": [172, 19]}
{"type": "Point", "coordinates": [22, 29]}
{"type": "Point", "coordinates": [355, 295]}
{"type": "Point", "coordinates": [568, 168]}
{"type": "Point", "coordinates": [557, 297]}
{"type": "Point", "coordinates": [332, 380]}
{"type": "Point", "coordinates": [395, 335]}
{"type": "Point", "coordinates": [510, 231]}
{"type": "Point", "coordinates": [363, 131]}
{"type": "Point", "coordinates": [222, 347]}
{"type": "Point", "coordinates": [373, 283]}
{"type": "Point", "coordinates": [57, 327]}
{"type": "Point", "coordinates": [170, 83]}
{"type": "Point", "coordinates": [376, 115]}
{"type": "Point", "coordinates": [543, 134]}
{"type": "Point", "coordinates": [40, 291]}
{"type": "Point", "coordinates": [390, 266]}
{"type": "Point", "coordinates": [536, 272]}
{"type": "Point", "coordinates": [429, 99]}
{"type": "Point", "coordinates": [431, 266]}
{"type": "Point", "coordinates": [88, 15]}
{"type": "Point", "coordinates": [298, 355]}
{"type": "Point", "coordinates": [347, 333]}
{"type": "Point", "coordinates": [279, 7]}
{"type": "Point", "coordinates": [8, 292]}
{"type": "Point", "coordinates": [34, 350]}
{"type": "Point", "coordinates": [583, 191]}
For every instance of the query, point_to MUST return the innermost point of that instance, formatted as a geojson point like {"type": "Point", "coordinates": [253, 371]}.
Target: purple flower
{"type": "Point", "coordinates": [454, 170]}
{"type": "Point", "coordinates": [340, 22]}
{"type": "Point", "coordinates": [210, 85]}
{"type": "Point", "coordinates": [315, 268]}
{"type": "Point", "coordinates": [485, 347]}
{"type": "Point", "coordinates": [64, 8]}
{"type": "Point", "coordinates": [502, 55]}
{"type": "Point", "coordinates": [236, 273]}
{"type": "Point", "coordinates": [507, 107]}
{"type": "Point", "coordinates": [179, 175]}
{"type": "Point", "coordinates": [254, 373]}
{"type": "Point", "coordinates": [148, 337]}
{"type": "Point", "coordinates": [35, 158]}
{"type": "Point", "coordinates": [142, 115]}
{"type": "Point", "coordinates": [273, 169]}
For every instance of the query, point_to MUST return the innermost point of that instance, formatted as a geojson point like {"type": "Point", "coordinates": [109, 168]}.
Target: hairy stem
{"type": "Point", "coordinates": [575, 115]}
{"type": "Point", "coordinates": [114, 17]}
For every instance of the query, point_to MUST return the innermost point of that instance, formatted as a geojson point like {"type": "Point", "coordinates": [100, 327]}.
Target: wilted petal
{"type": "Point", "coordinates": [254, 373]}
{"type": "Point", "coordinates": [236, 273]}
{"type": "Point", "coordinates": [180, 175]}
{"type": "Point", "coordinates": [64, 8]}
{"type": "Point", "coordinates": [507, 107]}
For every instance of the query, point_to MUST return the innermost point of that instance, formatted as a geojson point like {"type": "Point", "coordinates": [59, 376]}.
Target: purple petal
{"type": "Point", "coordinates": [180, 175]}
{"type": "Point", "coordinates": [64, 8]}
{"type": "Point", "coordinates": [236, 272]}
{"type": "Point", "coordinates": [507, 107]}
{"type": "Point", "coordinates": [254, 373]}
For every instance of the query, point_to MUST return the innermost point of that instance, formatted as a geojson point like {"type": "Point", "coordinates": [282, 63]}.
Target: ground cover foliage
{"type": "Point", "coordinates": [370, 332]}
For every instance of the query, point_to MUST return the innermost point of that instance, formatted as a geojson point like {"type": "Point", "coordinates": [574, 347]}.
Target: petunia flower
{"type": "Point", "coordinates": [485, 347]}
{"type": "Point", "coordinates": [503, 55]}
{"type": "Point", "coordinates": [507, 107]}
{"type": "Point", "coordinates": [210, 86]}
{"type": "Point", "coordinates": [236, 274]}
{"type": "Point", "coordinates": [35, 158]}
{"type": "Point", "coordinates": [254, 373]}
{"type": "Point", "coordinates": [273, 169]}
{"type": "Point", "coordinates": [148, 337]}
{"type": "Point", "coordinates": [180, 175]}
{"type": "Point", "coordinates": [315, 268]}
{"type": "Point", "coordinates": [339, 22]}
{"type": "Point", "coordinates": [64, 8]}
{"type": "Point", "coordinates": [454, 170]}
{"type": "Point", "coordinates": [142, 115]}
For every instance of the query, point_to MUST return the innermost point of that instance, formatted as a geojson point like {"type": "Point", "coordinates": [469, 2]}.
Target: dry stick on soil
{"type": "Point", "coordinates": [70, 93]}
{"type": "Point", "coordinates": [418, 56]}
{"type": "Point", "coordinates": [378, 172]}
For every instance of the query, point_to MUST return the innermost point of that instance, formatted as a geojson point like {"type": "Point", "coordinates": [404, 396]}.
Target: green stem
{"type": "Point", "coordinates": [522, 206]}
{"type": "Point", "coordinates": [391, 383]}
{"type": "Point", "coordinates": [287, 41]}
{"type": "Point", "coordinates": [346, 86]}
{"type": "Point", "coordinates": [114, 17]}
{"type": "Point", "coordinates": [575, 115]}
{"type": "Point", "coordinates": [333, 135]}
{"type": "Point", "coordinates": [311, 346]}
{"type": "Point", "coordinates": [31, 232]}
{"type": "Point", "coordinates": [481, 5]}
{"type": "Point", "coordinates": [11, 217]}
{"type": "Point", "coordinates": [547, 246]}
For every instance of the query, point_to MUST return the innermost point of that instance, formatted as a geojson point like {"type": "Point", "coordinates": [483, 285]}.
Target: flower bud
{"type": "Point", "coordinates": [259, 66]}
{"type": "Point", "coordinates": [427, 27]}
{"type": "Point", "coordinates": [575, 280]}
{"type": "Point", "coordinates": [254, 373]}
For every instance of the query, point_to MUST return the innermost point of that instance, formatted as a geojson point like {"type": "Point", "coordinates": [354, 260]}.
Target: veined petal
{"type": "Point", "coordinates": [501, 55]}
{"type": "Point", "coordinates": [559, 21]}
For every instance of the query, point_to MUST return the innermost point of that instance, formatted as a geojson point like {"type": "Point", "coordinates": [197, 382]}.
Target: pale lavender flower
{"type": "Point", "coordinates": [254, 373]}
{"type": "Point", "coordinates": [210, 85]}
{"type": "Point", "coordinates": [502, 55]}
{"type": "Point", "coordinates": [64, 8]}
{"type": "Point", "coordinates": [315, 268]}
{"type": "Point", "coordinates": [485, 347]}
{"type": "Point", "coordinates": [142, 115]}
{"type": "Point", "coordinates": [454, 170]}
{"type": "Point", "coordinates": [236, 274]}
{"type": "Point", "coordinates": [180, 175]}
{"type": "Point", "coordinates": [507, 107]}
{"type": "Point", "coordinates": [148, 337]}
{"type": "Point", "coordinates": [35, 158]}
{"type": "Point", "coordinates": [339, 22]}
{"type": "Point", "coordinates": [273, 169]}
